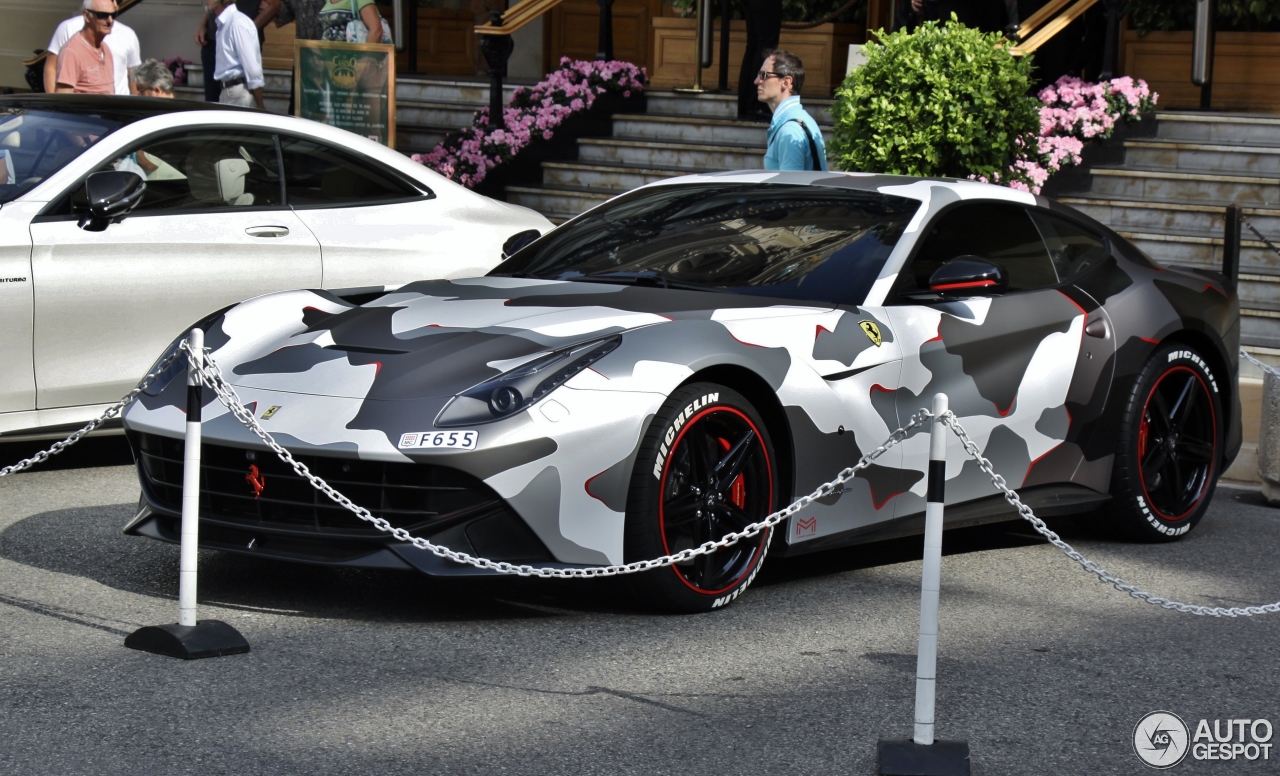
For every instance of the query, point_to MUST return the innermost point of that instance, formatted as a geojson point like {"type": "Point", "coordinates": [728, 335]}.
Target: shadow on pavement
{"type": "Point", "coordinates": [88, 543]}
{"type": "Point", "coordinates": [92, 452]}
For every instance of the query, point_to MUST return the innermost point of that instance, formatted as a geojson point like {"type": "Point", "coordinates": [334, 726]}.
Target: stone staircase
{"type": "Point", "coordinates": [1168, 197]}
{"type": "Point", "coordinates": [427, 108]}
{"type": "Point", "coordinates": [679, 134]}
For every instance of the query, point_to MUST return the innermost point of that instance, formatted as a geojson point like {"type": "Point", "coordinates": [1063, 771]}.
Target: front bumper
{"type": "Point", "coordinates": [288, 519]}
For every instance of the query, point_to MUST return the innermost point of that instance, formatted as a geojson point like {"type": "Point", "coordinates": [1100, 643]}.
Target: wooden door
{"type": "Point", "coordinates": [573, 30]}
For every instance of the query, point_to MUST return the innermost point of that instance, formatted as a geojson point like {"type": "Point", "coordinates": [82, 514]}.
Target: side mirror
{"type": "Point", "coordinates": [111, 194]}
{"type": "Point", "coordinates": [518, 241]}
{"type": "Point", "coordinates": [969, 276]}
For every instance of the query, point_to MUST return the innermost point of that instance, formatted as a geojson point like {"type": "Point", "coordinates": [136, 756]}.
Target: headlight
{"type": "Point", "coordinates": [175, 369]}
{"type": "Point", "coordinates": [514, 391]}
{"type": "Point", "coordinates": [179, 365]}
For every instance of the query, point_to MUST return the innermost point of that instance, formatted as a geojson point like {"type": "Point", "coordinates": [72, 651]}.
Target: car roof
{"type": "Point", "coordinates": [119, 108]}
{"type": "Point", "coordinates": [912, 186]}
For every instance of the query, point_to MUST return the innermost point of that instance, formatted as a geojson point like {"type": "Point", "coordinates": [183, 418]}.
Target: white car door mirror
{"type": "Point", "coordinates": [111, 194]}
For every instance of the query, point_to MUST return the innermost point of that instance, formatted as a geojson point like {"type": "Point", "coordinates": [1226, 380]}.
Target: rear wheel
{"type": "Point", "coordinates": [1169, 451]}
{"type": "Point", "coordinates": [705, 469]}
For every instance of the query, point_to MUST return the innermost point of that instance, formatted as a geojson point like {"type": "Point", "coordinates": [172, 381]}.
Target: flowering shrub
{"type": "Point", "coordinates": [467, 155]}
{"type": "Point", "coordinates": [943, 101]}
{"type": "Point", "coordinates": [177, 66]}
{"type": "Point", "coordinates": [1073, 112]}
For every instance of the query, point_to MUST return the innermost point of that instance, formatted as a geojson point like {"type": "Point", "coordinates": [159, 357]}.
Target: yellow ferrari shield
{"type": "Point", "coordinates": [274, 409]}
{"type": "Point", "coordinates": [873, 332]}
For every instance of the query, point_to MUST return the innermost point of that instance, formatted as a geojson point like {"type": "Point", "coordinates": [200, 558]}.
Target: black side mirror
{"type": "Point", "coordinates": [518, 241]}
{"type": "Point", "coordinates": [969, 276]}
{"type": "Point", "coordinates": [111, 194]}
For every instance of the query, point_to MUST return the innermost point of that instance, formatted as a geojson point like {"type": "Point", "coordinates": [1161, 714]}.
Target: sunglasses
{"type": "Point", "coordinates": [765, 75]}
{"type": "Point", "coordinates": [103, 15]}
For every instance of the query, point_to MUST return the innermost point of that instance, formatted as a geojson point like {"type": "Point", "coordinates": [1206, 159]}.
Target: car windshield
{"type": "Point", "coordinates": [35, 144]}
{"type": "Point", "coordinates": [810, 243]}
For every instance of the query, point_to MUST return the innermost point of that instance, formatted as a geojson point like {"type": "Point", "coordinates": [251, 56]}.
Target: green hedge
{"type": "Point", "coordinates": [943, 101]}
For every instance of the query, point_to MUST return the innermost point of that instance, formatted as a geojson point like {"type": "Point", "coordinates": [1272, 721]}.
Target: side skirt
{"type": "Point", "coordinates": [1044, 500]}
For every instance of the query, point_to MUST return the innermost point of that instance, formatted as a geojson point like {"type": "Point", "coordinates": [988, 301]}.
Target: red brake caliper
{"type": "Point", "coordinates": [737, 491]}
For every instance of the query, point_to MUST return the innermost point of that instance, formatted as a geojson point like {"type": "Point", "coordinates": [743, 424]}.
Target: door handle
{"type": "Point", "coordinates": [267, 231]}
{"type": "Point", "coordinates": [1097, 328]}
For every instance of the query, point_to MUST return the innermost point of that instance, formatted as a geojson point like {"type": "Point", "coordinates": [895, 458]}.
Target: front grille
{"type": "Point", "coordinates": [407, 495]}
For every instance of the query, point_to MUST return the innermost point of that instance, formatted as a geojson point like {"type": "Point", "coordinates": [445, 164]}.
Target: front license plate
{"type": "Point", "coordinates": [440, 440]}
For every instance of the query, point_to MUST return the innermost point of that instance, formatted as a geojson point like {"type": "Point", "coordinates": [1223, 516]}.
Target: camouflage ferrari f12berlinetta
{"type": "Point", "coordinates": [693, 355]}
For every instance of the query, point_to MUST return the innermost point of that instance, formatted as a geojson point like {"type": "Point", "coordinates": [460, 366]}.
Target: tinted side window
{"type": "Point", "coordinates": [1074, 249]}
{"type": "Point", "coordinates": [1000, 233]}
{"type": "Point", "coordinates": [201, 170]}
{"type": "Point", "coordinates": [319, 175]}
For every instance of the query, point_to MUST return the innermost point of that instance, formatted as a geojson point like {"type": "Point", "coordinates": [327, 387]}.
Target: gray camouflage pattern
{"type": "Point", "coordinates": [1021, 375]}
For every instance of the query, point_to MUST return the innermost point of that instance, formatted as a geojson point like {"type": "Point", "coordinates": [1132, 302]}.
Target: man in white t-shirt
{"type": "Point", "coordinates": [122, 41]}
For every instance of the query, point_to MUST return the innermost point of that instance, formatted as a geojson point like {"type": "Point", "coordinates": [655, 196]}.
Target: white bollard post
{"type": "Point", "coordinates": [922, 755]}
{"type": "Point", "coordinates": [190, 638]}
{"type": "Point", "coordinates": [931, 578]}
{"type": "Point", "coordinates": [190, 487]}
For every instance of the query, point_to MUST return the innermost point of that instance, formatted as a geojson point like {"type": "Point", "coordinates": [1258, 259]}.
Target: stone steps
{"type": "Point", "coordinates": [427, 109]}
{"type": "Point", "coordinates": [1203, 157]}
{"type": "Point", "coordinates": [562, 201]}
{"type": "Point", "coordinates": [1156, 184]}
{"type": "Point", "coordinates": [1192, 215]}
{"type": "Point", "coordinates": [1231, 129]}
{"type": "Point", "coordinates": [605, 177]}
{"type": "Point", "coordinates": [656, 153]}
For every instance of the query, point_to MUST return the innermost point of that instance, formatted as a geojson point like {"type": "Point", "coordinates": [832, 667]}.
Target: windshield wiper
{"type": "Point", "coordinates": [646, 278]}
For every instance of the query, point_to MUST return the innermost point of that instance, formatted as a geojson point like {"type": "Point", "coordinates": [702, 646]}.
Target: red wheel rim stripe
{"type": "Point", "coordinates": [764, 536]}
{"type": "Point", "coordinates": [1142, 436]}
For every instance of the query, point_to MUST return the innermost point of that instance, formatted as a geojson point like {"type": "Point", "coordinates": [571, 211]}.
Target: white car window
{"type": "Point", "coordinates": [319, 176]}
{"type": "Point", "coordinates": [203, 170]}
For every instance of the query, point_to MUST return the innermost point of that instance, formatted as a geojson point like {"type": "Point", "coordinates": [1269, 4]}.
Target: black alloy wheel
{"type": "Point", "coordinates": [705, 469]}
{"type": "Point", "coordinates": [1169, 453]}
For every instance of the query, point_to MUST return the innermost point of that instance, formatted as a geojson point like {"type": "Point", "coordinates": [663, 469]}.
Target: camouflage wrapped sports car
{"type": "Point", "coordinates": [687, 358]}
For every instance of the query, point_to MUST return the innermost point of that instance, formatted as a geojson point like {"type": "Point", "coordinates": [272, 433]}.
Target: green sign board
{"type": "Point", "coordinates": [348, 85]}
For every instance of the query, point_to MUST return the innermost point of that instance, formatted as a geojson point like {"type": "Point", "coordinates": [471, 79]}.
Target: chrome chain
{"type": "Point", "coordinates": [1265, 367]}
{"type": "Point", "coordinates": [1259, 235]}
{"type": "Point", "coordinates": [112, 412]}
{"type": "Point", "coordinates": [212, 376]}
{"type": "Point", "coordinates": [1093, 568]}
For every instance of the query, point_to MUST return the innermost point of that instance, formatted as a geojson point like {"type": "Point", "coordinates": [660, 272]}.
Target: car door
{"type": "Point", "coordinates": [1006, 362]}
{"type": "Point", "coordinates": [374, 226]}
{"type": "Point", "coordinates": [211, 230]}
{"type": "Point", "coordinates": [17, 377]}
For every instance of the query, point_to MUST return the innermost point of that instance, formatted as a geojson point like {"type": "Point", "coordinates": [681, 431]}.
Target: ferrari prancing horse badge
{"type": "Point", "coordinates": [873, 332]}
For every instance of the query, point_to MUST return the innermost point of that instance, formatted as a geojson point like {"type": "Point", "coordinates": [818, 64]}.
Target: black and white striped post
{"type": "Point", "coordinates": [922, 755]}
{"type": "Point", "coordinates": [190, 638]}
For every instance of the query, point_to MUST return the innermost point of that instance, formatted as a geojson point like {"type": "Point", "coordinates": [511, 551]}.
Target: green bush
{"type": "Point", "coordinates": [943, 101]}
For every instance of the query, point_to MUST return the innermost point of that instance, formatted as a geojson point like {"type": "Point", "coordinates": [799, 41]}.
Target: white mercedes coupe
{"type": "Point", "coordinates": [123, 220]}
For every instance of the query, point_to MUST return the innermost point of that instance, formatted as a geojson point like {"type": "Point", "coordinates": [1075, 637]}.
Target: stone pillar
{"type": "Point", "coordinates": [1269, 438]}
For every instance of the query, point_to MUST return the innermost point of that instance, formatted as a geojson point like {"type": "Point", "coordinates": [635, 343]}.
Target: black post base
{"type": "Point", "coordinates": [904, 757]}
{"type": "Point", "coordinates": [207, 638]}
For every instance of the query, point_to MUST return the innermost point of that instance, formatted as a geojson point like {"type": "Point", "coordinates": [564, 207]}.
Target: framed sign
{"type": "Point", "coordinates": [347, 85]}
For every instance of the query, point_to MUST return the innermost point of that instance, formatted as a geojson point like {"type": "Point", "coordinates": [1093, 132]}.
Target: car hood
{"type": "Point", "coordinates": [435, 338]}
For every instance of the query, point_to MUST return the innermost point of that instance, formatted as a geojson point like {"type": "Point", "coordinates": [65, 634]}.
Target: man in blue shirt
{"type": "Point", "coordinates": [795, 142]}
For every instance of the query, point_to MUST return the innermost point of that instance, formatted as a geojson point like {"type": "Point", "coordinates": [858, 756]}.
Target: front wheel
{"type": "Point", "coordinates": [705, 469]}
{"type": "Point", "coordinates": [1169, 447]}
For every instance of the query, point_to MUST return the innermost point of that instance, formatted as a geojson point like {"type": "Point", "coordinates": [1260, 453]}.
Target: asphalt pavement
{"type": "Point", "coordinates": [1042, 669]}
